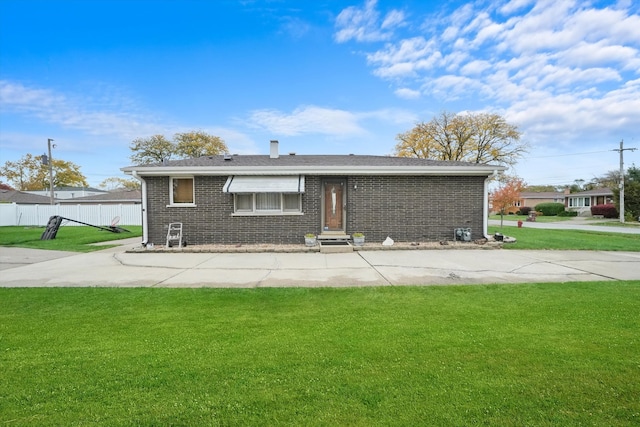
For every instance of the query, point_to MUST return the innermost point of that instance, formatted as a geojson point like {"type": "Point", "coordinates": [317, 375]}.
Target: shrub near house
{"type": "Point", "coordinates": [607, 211]}
{"type": "Point", "coordinates": [525, 210]}
{"type": "Point", "coordinates": [550, 209]}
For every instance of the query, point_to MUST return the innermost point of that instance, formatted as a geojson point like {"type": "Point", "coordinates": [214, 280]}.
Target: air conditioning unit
{"type": "Point", "coordinates": [462, 234]}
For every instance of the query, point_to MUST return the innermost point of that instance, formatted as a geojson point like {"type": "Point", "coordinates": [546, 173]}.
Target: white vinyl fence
{"type": "Point", "coordinates": [103, 215]}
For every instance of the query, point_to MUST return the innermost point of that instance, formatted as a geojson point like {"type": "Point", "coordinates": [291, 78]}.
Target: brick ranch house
{"type": "Point", "coordinates": [249, 199]}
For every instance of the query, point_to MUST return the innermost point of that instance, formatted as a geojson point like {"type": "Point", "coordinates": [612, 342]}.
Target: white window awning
{"type": "Point", "coordinates": [264, 184]}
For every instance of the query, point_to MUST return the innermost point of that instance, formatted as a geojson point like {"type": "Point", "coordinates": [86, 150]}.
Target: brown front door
{"type": "Point", "coordinates": [333, 206]}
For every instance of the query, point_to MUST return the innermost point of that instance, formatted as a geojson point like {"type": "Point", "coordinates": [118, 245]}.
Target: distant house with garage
{"type": "Point", "coordinates": [248, 199]}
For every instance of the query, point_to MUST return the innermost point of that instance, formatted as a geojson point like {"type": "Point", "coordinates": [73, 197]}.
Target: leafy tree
{"type": "Point", "coordinates": [154, 149]}
{"type": "Point", "coordinates": [507, 195]}
{"type": "Point", "coordinates": [117, 182]}
{"type": "Point", "coordinates": [197, 144]}
{"type": "Point", "coordinates": [608, 180]}
{"type": "Point", "coordinates": [30, 173]}
{"type": "Point", "coordinates": [157, 148]}
{"type": "Point", "coordinates": [477, 138]}
{"type": "Point", "coordinates": [631, 194]}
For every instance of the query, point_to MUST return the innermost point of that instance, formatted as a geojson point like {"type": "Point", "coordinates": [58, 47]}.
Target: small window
{"type": "Point", "coordinates": [182, 191]}
{"type": "Point", "coordinates": [244, 202]}
{"type": "Point", "coordinates": [291, 202]}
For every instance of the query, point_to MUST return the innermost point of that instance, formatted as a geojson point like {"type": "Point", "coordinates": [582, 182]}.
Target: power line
{"type": "Point", "coordinates": [571, 154]}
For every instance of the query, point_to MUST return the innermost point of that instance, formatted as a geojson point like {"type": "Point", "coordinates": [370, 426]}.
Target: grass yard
{"type": "Point", "coordinates": [69, 238]}
{"type": "Point", "coordinates": [539, 238]}
{"type": "Point", "coordinates": [523, 218]}
{"type": "Point", "coordinates": [540, 354]}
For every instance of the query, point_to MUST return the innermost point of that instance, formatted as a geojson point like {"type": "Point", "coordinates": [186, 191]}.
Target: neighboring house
{"type": "Point", "coordinates": [23, 198]}
{"type": "Point", "coordinates": [245, 199]}
{"type": "Point", "coordinates": [531, 199]}
{"type": "Point", "coordinates": [62, 193]}
{"type": "Point", "coordinates": [108, 198]}
{"type": "Point", "coordinates": [582, 201]}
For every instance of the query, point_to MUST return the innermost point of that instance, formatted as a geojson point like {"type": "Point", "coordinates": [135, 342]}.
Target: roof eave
{"type": "Point", "coordinates": [479, 170]}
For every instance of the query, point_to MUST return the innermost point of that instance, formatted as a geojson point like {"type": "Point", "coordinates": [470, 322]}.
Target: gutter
{"type": "Point", "coordinates": [145, 224]}
{"type": "Point", "coordinates": [312, 170]}
{"type": "Point", "coordinates": [485, 208]}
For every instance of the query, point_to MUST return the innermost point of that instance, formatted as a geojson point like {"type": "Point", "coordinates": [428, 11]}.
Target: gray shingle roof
{"type": "Point", "coordinates": [596, 192]}
{"type": "Point", "coordinates": [91, 189]}
{"type": "Point", "coordinates": [305, 160]}
{"type": "Point", "coordinates": [127, 196]}
{"type": "Point", "coordinates": [541, 195]}
{"type": "Point", "coordinates": [15, 196]}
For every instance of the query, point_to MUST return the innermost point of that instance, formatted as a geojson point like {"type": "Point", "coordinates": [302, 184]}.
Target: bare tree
{"type": "Point", "coordinates": [477, 138]}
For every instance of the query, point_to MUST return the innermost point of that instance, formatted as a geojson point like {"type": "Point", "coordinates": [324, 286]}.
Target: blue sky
{"type": "Point", "coordinates": [322, 77]}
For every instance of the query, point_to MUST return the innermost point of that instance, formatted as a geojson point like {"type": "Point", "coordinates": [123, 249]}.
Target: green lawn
{"type": "Point", "coordinates": [538, 238]}
{"type": "Point", "coordinates": [523, 218]}
{"type": "Point", "coordinates": [540, 354]}
{"type": "Point", "coordinates": [69, 238]}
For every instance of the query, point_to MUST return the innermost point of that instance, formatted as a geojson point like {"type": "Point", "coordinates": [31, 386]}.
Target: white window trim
{"type": "Point", "coordinates": [255, 212]}
{"type": "Point", "coordinates": [193, 196]}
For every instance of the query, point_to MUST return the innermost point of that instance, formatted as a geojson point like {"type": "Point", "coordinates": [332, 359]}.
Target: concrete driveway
{"type": "Point", "coordinates": [116, 268]}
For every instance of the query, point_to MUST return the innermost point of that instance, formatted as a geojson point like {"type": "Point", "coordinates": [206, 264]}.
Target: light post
{"type": "Point", "coordinates": [50, 169]}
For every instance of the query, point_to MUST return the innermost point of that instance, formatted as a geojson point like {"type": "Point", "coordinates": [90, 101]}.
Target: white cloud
{"type": "Point", "coordinates": [364, 24]}
{"type": "Point", "coordinates": [556, 67]}
{"type": "Point", "coordinates": [395, 18]}
{"type": "Point", "coordinates": [475, 67]}
{"type": "Point", "coordinates": [308, 120]}
{"type": "Point", "coordinates": [514, 6]}
{"type": "Point", "coordinates": [101, 118]}
{"type": "Point", "coordinates": [311, 119]}
{"type": "Point", "coordinates": [73, 113]}
{"type": "Point", "coordinates": [295, 27]}
{"type": "Point", "coordinates": [390, 115]}
{"type": "Point", "coordinates": [405, 58]}
{"type": "Point", "coordinates": [407, 93]}
{"type": "Point", "coordinates": [601, 53]}
{"type": "Point", "coordinates": [452, 86]}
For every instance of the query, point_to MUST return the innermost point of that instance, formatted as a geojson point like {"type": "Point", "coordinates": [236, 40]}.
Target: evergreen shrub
{"type": "Point", "coordinates": [524, 210]}
{"type": "Point", "coordinates": [550, 209]}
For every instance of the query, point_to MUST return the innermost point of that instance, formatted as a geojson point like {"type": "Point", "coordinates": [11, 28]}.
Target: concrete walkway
{"type": "Point", "coordinates": [116, 268]}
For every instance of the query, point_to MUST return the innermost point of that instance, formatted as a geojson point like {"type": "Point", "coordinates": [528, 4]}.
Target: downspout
{"type": "Point", "coordinates": [485, 219]}
{"type": "Point", "coordinates": [145, 224]}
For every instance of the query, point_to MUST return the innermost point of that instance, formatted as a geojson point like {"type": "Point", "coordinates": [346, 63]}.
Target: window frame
{"type": "Point", "coordinates": [266, 212]}
{"type": "Point", "coordinates": [172, 203]}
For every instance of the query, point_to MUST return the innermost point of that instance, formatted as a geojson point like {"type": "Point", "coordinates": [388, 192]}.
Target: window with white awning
{"type": "Point", "coordinates": [264, 184]}
{"type": "Point", "coordinates": [266, 195]}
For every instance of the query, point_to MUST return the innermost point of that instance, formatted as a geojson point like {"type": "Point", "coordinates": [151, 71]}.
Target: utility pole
{"type": "Point", "coordinates": [50, 170]}
{"type": "Point", "coordinates": [621, 150]}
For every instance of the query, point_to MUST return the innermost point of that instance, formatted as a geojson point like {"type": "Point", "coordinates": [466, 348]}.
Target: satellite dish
{"type": "Point", "coordinates": [115, 221]}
